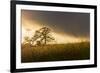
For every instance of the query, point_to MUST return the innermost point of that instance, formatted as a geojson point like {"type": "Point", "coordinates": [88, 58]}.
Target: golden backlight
{"type": "Point", "coordinates": [54, 36]}
{"type": "Point", "coordinates": [29, 28]}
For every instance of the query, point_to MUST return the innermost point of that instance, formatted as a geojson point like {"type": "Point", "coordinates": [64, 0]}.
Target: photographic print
{"type": "Point", "coordinates": [54, 36]}
{"type": "Point", "coordinates": [50, 36]}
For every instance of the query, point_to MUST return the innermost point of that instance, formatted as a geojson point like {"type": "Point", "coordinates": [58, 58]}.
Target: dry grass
{"type": "Point", "coordinates": [55, 52]}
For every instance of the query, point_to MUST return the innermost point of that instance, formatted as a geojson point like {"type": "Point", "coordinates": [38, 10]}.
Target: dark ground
{"type": "Point", "coordinates": [55, 52]}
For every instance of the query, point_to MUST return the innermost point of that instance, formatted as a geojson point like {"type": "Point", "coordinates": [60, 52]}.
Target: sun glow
{"type": "Point", "coordinates": [64, 38]}
{"type": "Point", "coordinates": [60, 38]}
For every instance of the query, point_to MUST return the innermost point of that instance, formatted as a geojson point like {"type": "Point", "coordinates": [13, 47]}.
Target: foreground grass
{"type": "Point", "coordinates": [55, 52]}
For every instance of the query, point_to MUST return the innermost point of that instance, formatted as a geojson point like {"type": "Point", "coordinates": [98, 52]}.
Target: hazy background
{"type": "Point", "coordinates": [66, 26]}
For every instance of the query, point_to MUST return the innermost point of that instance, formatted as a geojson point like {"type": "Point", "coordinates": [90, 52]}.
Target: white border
{"type": "Point", "coordinates": [20, 65]}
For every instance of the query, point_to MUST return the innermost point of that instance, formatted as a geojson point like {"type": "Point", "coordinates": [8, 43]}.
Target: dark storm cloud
{"type": "Point", "coordinates": [76, 24]}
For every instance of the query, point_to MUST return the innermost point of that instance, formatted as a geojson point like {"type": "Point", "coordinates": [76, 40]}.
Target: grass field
{"type": "Point", "coordinates": [55, 52]}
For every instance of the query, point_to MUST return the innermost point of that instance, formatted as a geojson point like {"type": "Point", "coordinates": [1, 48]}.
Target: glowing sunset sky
{"type": "Point", "coordinates": [66, 27]}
